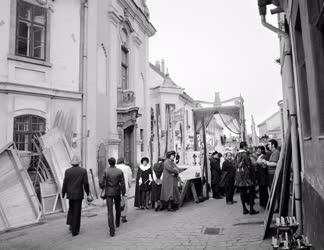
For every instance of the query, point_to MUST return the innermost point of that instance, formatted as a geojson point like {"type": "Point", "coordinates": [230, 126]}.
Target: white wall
{"type": "Point", "coordinates": [64, 33]}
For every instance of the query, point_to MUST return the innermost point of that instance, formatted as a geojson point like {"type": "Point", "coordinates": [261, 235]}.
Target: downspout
{"type": "Point", "coordinates": [293, 119]}
{"type": "Point", "coordinates": [83, 78]}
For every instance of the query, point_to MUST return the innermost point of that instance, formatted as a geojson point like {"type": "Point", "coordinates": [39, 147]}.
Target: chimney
{"type": "Point", "coordinates": [217, 99]}
{"type": "Point", "coordinates": [163, 66]}
{"type": "Point", "coordinates": [157, 64]}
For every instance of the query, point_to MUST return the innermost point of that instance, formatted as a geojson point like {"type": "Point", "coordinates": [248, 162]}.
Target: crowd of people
{"type": "Point", "coordinates": [250, 170]}
{"type": "Point", "coordinates": [157, 187]}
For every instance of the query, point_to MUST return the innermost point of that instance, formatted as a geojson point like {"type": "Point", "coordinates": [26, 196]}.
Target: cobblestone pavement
{"type": "Point", "coordinates": [147, 229]}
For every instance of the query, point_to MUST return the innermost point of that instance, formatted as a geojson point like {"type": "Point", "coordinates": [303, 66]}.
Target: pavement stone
{"type": "Point", "coordinates": [148, 229]}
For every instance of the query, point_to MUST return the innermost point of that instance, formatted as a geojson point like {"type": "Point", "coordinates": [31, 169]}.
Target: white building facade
{"type": "Point", "coordinates": [117, 101]}
{"type": "Point", "coordinates": [39, 68]}
{"type": "Point", "coordinates": [85, 58]}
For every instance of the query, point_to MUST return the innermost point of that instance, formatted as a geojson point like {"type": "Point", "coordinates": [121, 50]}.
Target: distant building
{"type": "Point", "coordinates": [271, 127]}
{"type": "Point", "coordinates": [172, 114]}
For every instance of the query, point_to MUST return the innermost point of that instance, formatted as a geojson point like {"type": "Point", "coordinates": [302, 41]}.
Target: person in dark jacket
{"type": "Point", "coordinates": [75, 183]}
{"type": "Point", "coordinates": [263, 178]}
{"type": "Point", "coordinates": [114, 184]}
{"type": "Point", "coordinates": [228, 177]}
{"type": "Point", "coordinates": [244, 178]}
{"type": "Point", "coordinates": [157, 184]}
{"type": "Point", "coordinates": [215, 174]}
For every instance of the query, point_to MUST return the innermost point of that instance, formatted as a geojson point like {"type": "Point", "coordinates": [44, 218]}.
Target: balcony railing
{"type": "Point", "coordinates": [125, 98]}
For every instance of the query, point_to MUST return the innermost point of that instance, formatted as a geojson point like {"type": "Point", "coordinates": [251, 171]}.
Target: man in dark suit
{"type": "Point", "coordinates": [74, 184]}
{"type": "Point", "coordinates": [114, 185]}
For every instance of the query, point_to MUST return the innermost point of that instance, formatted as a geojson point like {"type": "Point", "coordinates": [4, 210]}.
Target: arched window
{"type": "Point", "coordinates": [25, 127]}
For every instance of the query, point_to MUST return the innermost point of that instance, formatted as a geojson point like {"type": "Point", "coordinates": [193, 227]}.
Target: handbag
{"type": "Point", "coordinates": [103, 194]}
{"type": "Point", "coordinates": [122, 203]}
{"type": "Point", "coordinates": [90, 198]}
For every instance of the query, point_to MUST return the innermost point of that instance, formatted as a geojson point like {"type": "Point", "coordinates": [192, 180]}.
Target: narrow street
{"type": "Point", "coordinates": [184, 229]}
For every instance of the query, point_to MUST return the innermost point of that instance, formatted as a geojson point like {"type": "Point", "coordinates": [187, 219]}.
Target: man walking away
{"type": "Point", "coordinates": [244, 177]}
{"type": "Point", "coordinates": [114, 184]}
{"type": "Point", "coordinates": [128, 182]}
{"type": "Point", "coordinates": [74, 184]}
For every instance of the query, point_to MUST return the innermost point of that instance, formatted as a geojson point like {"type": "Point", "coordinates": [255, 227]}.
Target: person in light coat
{"type": "Point", "coordinates": [128, 183]}
{"type": "Point", "coordinates": [170, 194]}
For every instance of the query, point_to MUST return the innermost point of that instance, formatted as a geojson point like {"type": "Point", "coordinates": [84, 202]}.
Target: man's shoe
{"type": "Point", "coordinates": [117, 224]}
{"type": "Point", "coordinates": [245, 211]}
{"type": "Point", "coordinates": [112, 234]}
{"type": "Point", "coordinates": [253, 212]}
{"type": "Point", "coordinates": [124, 220]}
{"type": "Point", "coordinates": [229, 202]}
{"type": "Point", "coordinates": [234, 201]}
{"type": "Point", "coordinates": [75, 234]}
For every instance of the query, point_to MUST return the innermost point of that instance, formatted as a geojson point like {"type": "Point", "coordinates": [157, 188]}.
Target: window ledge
{"type": "Point", "coordinates": [321, 137]}
{"type": "Point", "coordinates": [29, 60]}
{"type": "Point", "coordinates": [307, 138]}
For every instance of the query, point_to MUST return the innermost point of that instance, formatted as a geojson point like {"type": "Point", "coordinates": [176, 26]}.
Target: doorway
{"type": "Point", "coordinates": [129, 146]}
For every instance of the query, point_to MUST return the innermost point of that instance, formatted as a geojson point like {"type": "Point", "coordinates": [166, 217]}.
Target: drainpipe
{"type": "Point", "coordinates": [282, 127]}
{"type": "Point", "coordinates": [293, 119]}
{"type": "Point", "coordinates": [83, 77]}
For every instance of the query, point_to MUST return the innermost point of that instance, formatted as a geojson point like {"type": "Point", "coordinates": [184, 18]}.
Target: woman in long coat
{"type": "Point", "coordinates": [170, 192]}
{"type": "Point", "coordinates": [143, 187]}
{"type": "Point", "coordinates": [215, 174]}
{"type": "Point", "coordinates": [157, 184]}
{"type": "Point", "coordinates": [228, 177]}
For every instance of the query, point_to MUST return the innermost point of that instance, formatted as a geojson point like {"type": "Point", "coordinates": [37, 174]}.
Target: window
{"type": "Point", "coordinates": [25, 127]}
{"type": "Point", "coordinates": [30, 30]}
{"type": "Point", "coordinates": [319, 46]}
{"type": "Point", "coordinates": [187, 119]}
{"type": "Point", "coordinates": [124, 68]}
{"type": "Point", "coordinates": [302, 79]}
{"type": "Point", "coordinates": [142, 139]}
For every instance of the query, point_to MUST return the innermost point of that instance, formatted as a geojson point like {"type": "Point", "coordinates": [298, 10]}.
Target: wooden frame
{"type": "Point", "coordinates": [25, 208]}
{"type": "Point", "coordinates": [275, 184]}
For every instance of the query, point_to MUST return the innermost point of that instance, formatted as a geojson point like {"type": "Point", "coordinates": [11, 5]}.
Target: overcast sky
{"type": "Point", "coordinates": [214, 45]}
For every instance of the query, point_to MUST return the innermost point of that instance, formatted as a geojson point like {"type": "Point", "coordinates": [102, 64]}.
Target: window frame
{"type": "Point", "coordinates": [302, 81]}
{"type": "Point", "coordinates": [124, 65]}
{"type": "Point", "coordinates": [142, 139]}
{"type": "Point", "coordinates": [13, 31]}
{"type": "Point", "coordinates": [29, 132]}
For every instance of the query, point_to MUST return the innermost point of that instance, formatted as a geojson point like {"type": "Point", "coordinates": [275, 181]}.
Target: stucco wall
{"type": "Point", "coordinates": [64, 39]}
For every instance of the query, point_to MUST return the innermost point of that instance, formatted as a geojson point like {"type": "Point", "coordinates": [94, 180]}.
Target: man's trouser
{"type": "Point", "coordinates": [74, 215]}
{"type": "Point", "coordinates": [124, 212]}
{"type": "Point", "coordinates": [110, 203]}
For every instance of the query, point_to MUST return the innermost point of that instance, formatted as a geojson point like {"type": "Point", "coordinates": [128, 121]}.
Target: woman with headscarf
{"type": "Point", "coordinates": [143, 187]}
{"type": "Point", "coordinates": [157, 184]}
{"type": "Point", "coordinates": [170, 192]}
